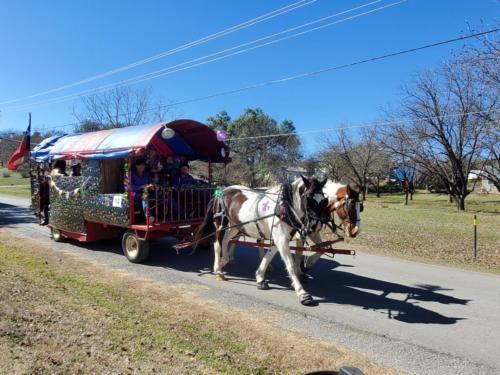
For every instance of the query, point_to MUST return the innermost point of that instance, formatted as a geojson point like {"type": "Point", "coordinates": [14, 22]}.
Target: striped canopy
{"type": "Point", "coordinates": [190, 139]}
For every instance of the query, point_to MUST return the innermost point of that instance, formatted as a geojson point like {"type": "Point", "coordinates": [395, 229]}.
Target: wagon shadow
{"type": "Point", "coordinates": [11, 215]}
{"type": "Point", "coordinates": [331, 284]}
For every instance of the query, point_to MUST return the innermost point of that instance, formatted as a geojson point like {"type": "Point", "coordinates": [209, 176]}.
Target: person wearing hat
{"type": "Point", "coordinates": [184, 178]}
{"type": "Point", "coordinates": [141, 181]}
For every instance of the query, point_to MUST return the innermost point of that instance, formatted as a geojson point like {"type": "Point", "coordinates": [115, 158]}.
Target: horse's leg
{"type": "Point", "coordinates": [298, 258]}
{"type": "Point", "coordinates": [228, 236]}
{"type": "Point", "coordinates": [262, 254]}
{"type": "Point", "coordinates": [260, 274]}
{"type": "Point", "coordinates": [232, 259]}
{"type": "Point", "coordinates": [219, 235]}
{"type": "Point", "coordinates": [311, 261]}
{"type": "Point", "coordinates": [283, 245]}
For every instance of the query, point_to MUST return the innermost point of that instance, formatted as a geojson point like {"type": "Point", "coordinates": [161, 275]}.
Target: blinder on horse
{"type": "Point", "coordinates": [313, 202]}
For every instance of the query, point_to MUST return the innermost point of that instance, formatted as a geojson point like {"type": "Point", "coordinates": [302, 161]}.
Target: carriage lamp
{"type": "Point", "coordinates": [167, 133]}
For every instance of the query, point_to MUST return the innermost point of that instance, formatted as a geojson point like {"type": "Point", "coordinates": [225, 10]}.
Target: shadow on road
{"type": "Point", "coordinates": [330, 283]}
{"type": "Point", "coordinates": [11, 216]}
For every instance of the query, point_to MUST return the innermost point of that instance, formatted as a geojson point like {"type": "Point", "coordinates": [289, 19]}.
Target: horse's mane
{"type": "Point", "coordinates": [295, 186]}
{"type": "Point", "coordinates": [330, 189]}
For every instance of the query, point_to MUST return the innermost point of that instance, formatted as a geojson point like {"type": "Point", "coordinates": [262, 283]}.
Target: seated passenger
{"type": "Point", "coordinates": [59, 168]}
{"type": "Point", "coordinates": [184, 178]}
{"type": "Point", "coordinates": [141, 182]}
{"type": "Point", "coordinates": [76, 170]}
{"type": "Point", "coordinates": [155, 165]}
{"type": "Point", "coordinates": [171, 170]}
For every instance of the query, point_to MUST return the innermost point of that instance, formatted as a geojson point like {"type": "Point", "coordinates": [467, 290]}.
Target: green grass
{"type": "Point", "coordinates": [133, 326]}
{"type": "Point", "coordinates": [430, 228]}
{"type": "Point", "coordinates": [61, 315]}
{"type": "Point", "coordinates": [15, 185]}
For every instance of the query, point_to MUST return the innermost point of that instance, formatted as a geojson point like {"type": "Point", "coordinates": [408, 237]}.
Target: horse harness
{"type": "Point", "coordinates": [283, 210]}
{"type": "Point", "coordinates": [348, 206]}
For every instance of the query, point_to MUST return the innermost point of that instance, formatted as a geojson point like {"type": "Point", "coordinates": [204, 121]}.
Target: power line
{"type": "Point", "coordinates": [232, 29]}
{"type": "Point", "coordinates": [307, 74]}
{"type": "Point", "coordinates": [401, 120]}
{"type": "Point", "coordinates": [367, 125]}
{"type": "Point", "coordinates": [211, 57]}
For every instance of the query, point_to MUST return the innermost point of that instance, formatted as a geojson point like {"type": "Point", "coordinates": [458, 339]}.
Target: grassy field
{"type": "Point", "coordinates": [14, 185]}
{"type": "Point", "coordinates": [431, 229]}
{"type": "Point", "coordinates": [61, 314]}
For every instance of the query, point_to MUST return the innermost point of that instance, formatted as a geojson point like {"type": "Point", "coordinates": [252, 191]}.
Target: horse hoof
{"type": "Point", "coordinates": [263, 285]}
{"type": "Point", "coordinates": [307, 300]}
{"type": "Point", "coordinates": [220, 277]}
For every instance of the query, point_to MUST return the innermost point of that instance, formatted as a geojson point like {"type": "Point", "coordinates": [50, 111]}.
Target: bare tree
{"type": "Point", "coordinates": [484, 61]}
{"type": "Point", "coordinates": [404, 171]}
{"type": "Point", "coordinates": [331, 162]}
{"type": "Point", "coordinates": [353, 161]}
{"type": "Point", "coordinates": [446, 135]}
{"type": "Point", "coordinates": [491, 166]}
{"type": "Point", "coordinates": [120, 107]}
{"type": "Point", "coordinates": [380, 169]}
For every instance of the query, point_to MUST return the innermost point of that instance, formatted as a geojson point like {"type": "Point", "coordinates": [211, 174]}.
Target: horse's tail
{"type": "Point", "coordinates": [207, 228]}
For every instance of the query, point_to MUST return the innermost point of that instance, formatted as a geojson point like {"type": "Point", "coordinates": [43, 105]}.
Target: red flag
{"type": "Point", "coordinates": [22, 150]}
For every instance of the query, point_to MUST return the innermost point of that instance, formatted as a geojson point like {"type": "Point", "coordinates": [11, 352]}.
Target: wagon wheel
{"type": "Point", "coordinates": [135, 249]}
{"type": "Point", "coordinates": [56, 235]}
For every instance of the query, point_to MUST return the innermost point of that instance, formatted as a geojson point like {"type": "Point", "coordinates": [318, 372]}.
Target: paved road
{"type": "Point", "coordinates": [416, 317]}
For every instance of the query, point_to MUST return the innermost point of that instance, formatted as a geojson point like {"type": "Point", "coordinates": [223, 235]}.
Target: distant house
{"type": "Point", "coordinates": [482, 184]}
{"type": "Point", "coordinates": [292, 173]}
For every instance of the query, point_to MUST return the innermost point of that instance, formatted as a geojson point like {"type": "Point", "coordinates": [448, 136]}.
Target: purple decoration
{"type": "Point", "coordinates": [221, 135]}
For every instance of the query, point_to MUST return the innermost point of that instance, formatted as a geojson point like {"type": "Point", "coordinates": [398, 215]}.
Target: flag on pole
{"type": "Point", "coordinates": [22, 150]}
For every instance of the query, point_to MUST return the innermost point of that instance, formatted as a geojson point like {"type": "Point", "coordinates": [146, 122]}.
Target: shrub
{"type": "Point", "coordinates": [5, 173]}
{"type": "Point", "coordinates": [25, 174]}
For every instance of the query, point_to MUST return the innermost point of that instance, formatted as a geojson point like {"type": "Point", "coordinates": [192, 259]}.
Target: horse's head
{"type": "Point", "coordinates": [314, 200]}
{"type": "Point", "coordinates": [345, 202]}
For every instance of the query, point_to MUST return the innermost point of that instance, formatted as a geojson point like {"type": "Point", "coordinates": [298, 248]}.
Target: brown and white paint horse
{"type": "Point", "coordinates": [344, 202]}
{"type": "Point", "coordinates": [273, 214]}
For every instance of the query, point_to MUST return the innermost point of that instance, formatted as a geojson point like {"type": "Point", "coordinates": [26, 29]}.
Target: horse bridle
{"type": "Point", "coordinates": [304, 226]}
{"type": "Point", "coordinates": [349, 206]}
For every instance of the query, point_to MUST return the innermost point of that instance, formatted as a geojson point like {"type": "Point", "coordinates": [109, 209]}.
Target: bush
{"type": "Point", "coordinates": [25, 174]}
{"type": "Point", "coordinates": [5, 173]}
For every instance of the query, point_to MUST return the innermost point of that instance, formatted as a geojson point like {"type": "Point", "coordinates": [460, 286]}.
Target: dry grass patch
{"type": "Point", "coordinates": [431, 229]}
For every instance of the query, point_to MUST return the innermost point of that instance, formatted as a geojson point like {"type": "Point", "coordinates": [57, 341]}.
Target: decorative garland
{"type": "Point", "coordinates": [69, 194]}
{"type": "Point", "coordinates": [125, 177]}
{"type": "Point", "coordinates": [218, 192]}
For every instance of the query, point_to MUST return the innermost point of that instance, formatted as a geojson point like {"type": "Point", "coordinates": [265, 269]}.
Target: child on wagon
{"type": "Point", "coordinates": [141, 183]}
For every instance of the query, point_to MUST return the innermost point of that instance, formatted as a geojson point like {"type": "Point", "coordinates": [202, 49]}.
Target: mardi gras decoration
{"type": "Point", "coordinates": [68, 194]}
{"type": "Point", "coordinates": [125, 177]}
{"type": "Point", "coordinates": [218, 192]}
{"type": "Point", "coordinates": [221, 135]}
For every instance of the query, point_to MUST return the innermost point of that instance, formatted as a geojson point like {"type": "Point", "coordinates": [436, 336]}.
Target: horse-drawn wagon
{"type": "Point", "coordinates": [100, 201]}
{"type": "Point", "coordinates": [109, 194]}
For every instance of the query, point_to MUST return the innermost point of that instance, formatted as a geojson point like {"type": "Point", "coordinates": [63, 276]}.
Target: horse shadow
{"type": "Point", "coordinates": [329, 284]}
{"type": "Point", "coordinates": [11, 215]}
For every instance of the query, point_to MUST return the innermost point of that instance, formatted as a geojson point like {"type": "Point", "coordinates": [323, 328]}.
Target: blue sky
{"type": "Point", "coordinates": [46, 44]}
